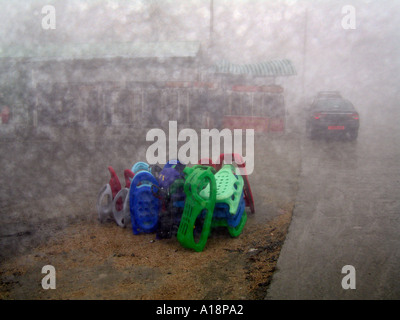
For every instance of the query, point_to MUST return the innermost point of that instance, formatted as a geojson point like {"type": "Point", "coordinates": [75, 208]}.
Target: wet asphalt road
{"type": "Point", "coordinates": [347, 212]}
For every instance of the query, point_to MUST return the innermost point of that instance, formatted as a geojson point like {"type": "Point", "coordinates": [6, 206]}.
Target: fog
{"type": "Point", "coordinates": [53, 165]}
{"type": "Point", "coordinates": [356, 61]}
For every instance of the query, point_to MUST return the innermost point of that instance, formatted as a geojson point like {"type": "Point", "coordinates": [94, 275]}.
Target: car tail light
{"type": "Point", "coordinates": [354, 116]}
{"type": "Point", "coordinates": [318, 115]}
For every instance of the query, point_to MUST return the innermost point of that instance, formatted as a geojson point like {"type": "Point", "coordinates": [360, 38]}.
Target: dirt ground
{"type": "Point", "coordinates": [104, 261]}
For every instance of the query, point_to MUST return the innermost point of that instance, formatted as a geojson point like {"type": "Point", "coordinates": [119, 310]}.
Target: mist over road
{"type": "Point", "coordinates": [347, 212]}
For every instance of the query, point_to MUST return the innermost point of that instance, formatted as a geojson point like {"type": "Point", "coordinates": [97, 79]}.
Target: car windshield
{"type": "Point", "coordinates": [333, 105]}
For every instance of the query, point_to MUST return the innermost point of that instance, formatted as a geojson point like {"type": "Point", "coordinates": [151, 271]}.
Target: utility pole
{"type": "Point", "coordinates": [211, 23]}
{"type": "Point", "coordinates": [305, 52]}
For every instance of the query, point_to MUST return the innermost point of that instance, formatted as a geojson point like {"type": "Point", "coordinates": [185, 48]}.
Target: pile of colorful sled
{"type": "Point", "coordinates": [180, 201]}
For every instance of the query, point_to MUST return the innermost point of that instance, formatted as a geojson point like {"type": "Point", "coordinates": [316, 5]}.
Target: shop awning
{"type": "Point", "coordinates": [272, 68]}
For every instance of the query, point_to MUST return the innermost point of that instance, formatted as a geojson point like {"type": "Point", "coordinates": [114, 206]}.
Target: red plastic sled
{"type": "Point", "coordinates": [128, 174]}
{"type": "Point", "coordinates": [115, 186]}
